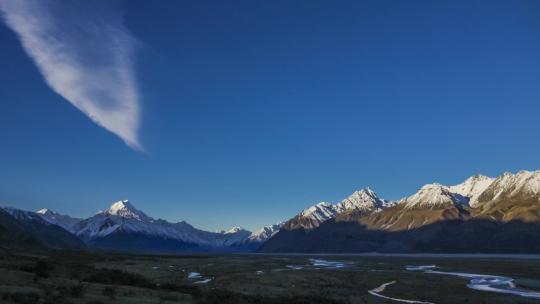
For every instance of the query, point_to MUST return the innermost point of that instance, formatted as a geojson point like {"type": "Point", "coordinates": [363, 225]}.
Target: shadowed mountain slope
{"type": "Point", "coordinates": [23, 229]}
{"type": "Point", "coordinates": [480, 215]}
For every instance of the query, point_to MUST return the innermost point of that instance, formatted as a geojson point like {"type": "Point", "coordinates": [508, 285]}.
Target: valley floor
{"type": "Point", "coordinates": [93, 278]}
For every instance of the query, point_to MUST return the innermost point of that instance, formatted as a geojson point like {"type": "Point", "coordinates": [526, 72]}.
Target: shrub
{"type": "Point", "coordinates": [76, 290]}
{"type": "Point", "coordinates": [21, 297]}
{"type": "Point", "coordinates": [110, 292]}
{"type": "Point", "coordinates": [228, 297]}
{"type": "Point", "coordinates": [168, 298]}
{"type": "Point", "coordinates": [41, 268]}
{"type": "Point", "coordinates": [56, 298]}
{"type": "Point", "coordinates": [192, 290]}
{"type": "Point", "coordinates": [118, 277]}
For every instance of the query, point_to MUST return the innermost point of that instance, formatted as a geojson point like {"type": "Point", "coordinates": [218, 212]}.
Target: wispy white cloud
{"type": "Point", "coordinates": [85, 54]}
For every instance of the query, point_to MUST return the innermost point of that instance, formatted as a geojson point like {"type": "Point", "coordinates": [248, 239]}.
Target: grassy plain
{"type": "Point", "coordinates": [97, 278]}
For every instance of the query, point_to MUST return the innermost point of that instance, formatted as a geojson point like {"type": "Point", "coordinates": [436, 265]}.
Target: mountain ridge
{"type": "Point", "coordinates": [478, 199]}
{"type": "Point", "coordinates": [496, 204]}
{"type": "Point", "coordinates": [31, 226]}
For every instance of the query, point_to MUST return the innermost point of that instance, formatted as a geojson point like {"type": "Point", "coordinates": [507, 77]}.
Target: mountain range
{"type": "Point", "coordinates": [24, 229]}
{"type": "Point", "coordinates": [481, 214]}
{"type": "Point", "coordinates": [124, 228]}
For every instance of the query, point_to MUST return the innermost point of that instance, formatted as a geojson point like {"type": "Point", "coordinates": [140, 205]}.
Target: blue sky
{"type": "Point", "coordinates": [249, 111]}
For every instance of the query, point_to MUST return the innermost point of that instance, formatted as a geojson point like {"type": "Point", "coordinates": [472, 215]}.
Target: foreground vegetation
{"type": "Point", "coordinates": [94, 278]}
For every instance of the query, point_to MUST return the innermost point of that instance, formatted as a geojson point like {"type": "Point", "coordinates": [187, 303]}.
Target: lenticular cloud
{"type": "Point", "coordinates": [85, 54]}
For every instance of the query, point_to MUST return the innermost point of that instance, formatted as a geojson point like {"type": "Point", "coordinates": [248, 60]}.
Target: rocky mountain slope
{"type": "Point", "coordinates": [65, 221]}
{"type": "Point", "coordinates": [122, 227]}
{"type": "Point", "coordinates": [257, 238]}
{"type": "Point", "coordinates": [265, 233]}
{"type": "Point", "coordinates": [481, 214]}
{"type": "Point", "coordinates": [361, 202]}
{"type": "Point", "coordinates": [25, 227]}
{"type": "Point", "coordinates": [13, 234]}
{"type": "Point", "coordinates": [472, 188]}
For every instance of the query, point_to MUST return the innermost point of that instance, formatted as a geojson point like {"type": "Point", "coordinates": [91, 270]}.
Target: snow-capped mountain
{"type": "Point", "coordinates": [507, 186]}
{"type": "Point", "coordinates": [508, 198]}
{"type": "Point", "coordinates": [45, 233]}
{"type": "Point", "coordinates": [480, 192]}
{"type": "Point", "coordinates": [312, 217]}
{"type": "Point", "coordinates": [235, 235]}
{"type": "Point", "coordinates": [65, 221]}
{"type": "Point", "coordinates": [472, 187]}
{"type": "Point", "coordinates": [124, 209]}
{"type": "Point", "coordinates": [363, 201]}
{"type": "Point", "coordinates": [122, 227]}
{"type": "Point", "coordinates": [256, 238]}
{"type": "Point", "coordinates": [22, 215]}
{"type": "Point", "coordinates": [434, 196]}
{"type": "Point", "coordinates": [122, 218]}
{"type": "Point", "coordinates": [234, 229]}
{"type": "Point", "coordinates": [317, 214]}
{"type": "Point", "coordinates": [481, 214]}
{"type": "Point", "coordinates": [263, 234]}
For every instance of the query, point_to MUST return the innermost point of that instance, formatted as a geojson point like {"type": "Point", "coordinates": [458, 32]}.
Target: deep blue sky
{"type": "Point", "coordinates": [254, 110]}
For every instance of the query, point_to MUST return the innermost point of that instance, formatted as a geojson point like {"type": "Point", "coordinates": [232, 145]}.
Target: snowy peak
{"type": "Point", "coordinates": [65, 221]}
{"type": "Point", "coordinates": [473, 182]}
{"type": "Point", "coordinates": [321, 212]}
{"type": "Point", "coordinates": [362, 200]}
{"type": "Point", "coordinates": [528, 182]}
{"type": "Point", "coordinates": [120, 207]}
{"type": "Point", "coordinates": [122, 218]}
{"type": "Point", "coordinates": [312, 217]}
{"type": "Point", "coordinates": [524, 184]}
{"type": "Point", "coordinates": [44, 216]}
{"type": "Point", "coordinates": [21, 215]}
{"type": "Point", "coordinates": [473, 187]}
{"type": "Point", "coordinates": [233, 230]}
{"type": "Point", "coordinates": [479, 189]}
{"type": "Point", "coordinates": [125, 209]}
{"type": "Point", "coordinates": [434, 196]}
{"type": "Point", "coordinates": [235, 235]}
{"type": "Point", "coordinates": [265, 233]}
{"type": "Point", "coordinates": [121, 215]}
{"type": "Point", "coordinates": [43, 211]}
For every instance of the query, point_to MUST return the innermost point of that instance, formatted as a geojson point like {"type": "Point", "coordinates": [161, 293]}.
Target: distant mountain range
{"type": "Point", "coordinates": [482, 214]}
{"type": "Point", "coordinates": [124, 228]}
